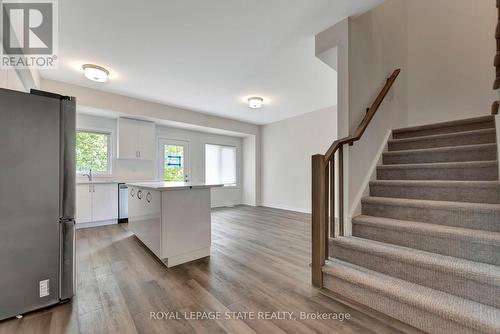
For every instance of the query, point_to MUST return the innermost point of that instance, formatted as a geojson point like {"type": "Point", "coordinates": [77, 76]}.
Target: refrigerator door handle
{"type": "Point", "coordinates": [67, 249]}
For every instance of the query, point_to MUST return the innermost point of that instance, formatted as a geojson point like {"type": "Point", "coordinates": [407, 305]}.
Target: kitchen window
{"type": "Point", "coordinates": [93, 151]}
{"type": "Point", "coordinates": [220, 164]}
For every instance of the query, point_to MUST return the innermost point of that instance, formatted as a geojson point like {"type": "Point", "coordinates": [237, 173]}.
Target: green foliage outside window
{"type": "Point", "coordinates": [174, 173]}
{"type": "Point", "coordinates": [92, 152]}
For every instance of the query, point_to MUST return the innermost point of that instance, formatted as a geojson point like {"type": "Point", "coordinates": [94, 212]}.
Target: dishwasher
{"type": "Point", "coordinates": [122, 203]}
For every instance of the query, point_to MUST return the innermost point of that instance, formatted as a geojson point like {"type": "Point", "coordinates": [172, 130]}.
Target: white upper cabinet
{"type": "Point", "coordinates": [127, 139]}
{"type": "Point", "coordinates": [136, 139]}
{"type": "Point", "coordinates": [146, 141]}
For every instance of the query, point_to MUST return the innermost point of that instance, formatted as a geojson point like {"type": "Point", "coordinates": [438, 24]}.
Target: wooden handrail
{"type": "Point", "coordinates": [324, 186]}
{"type": "Point", "coordinates": [366, 120]}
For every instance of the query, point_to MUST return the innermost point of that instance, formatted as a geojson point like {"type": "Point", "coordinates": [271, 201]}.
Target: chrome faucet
{"type": "Point", "coordinates": [89, 175]}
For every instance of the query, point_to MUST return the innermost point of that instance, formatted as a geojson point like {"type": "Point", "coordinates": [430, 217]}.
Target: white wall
{"type": "Point", "coordinates": [450, 60]}
{"type": "Point", "coordinates": [251, 189]}
{"type": "Point", "coordinates": [92, 100]}
{"type": "Point", "coordinates": [378, 45]}
{"type": "Point", "coordinates": [148, 170]}
{"type": "Point", "coordinates": [287, 147]}
{"type": "Point", "coordinates": [9, 79]}
{"type": "Point", "coordinates": [446, 64]}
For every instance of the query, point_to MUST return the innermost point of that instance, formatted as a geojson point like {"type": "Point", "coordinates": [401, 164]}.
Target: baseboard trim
{"type": "Point", "coordinates": [285, 207]}
{"type": "Point", "coordinates": [222, 205]}
{"type": "Point", "coordinates": [96, 224]}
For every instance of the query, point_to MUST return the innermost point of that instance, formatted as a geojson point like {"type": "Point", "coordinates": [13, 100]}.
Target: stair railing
{"type": "Point", "coordinates": [323, 188]}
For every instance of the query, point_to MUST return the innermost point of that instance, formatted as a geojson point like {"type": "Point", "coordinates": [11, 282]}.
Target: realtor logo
{"type": "Point", "coordinates": [29, 33]}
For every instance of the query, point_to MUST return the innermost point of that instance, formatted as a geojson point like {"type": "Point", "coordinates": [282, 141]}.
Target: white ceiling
{"type": "Point", "coordinates": [203, 55]}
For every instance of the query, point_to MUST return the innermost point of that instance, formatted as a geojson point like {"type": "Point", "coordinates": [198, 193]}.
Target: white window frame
{"type": "Point", "coordinates": [109, 133]}
{"type": "Point", "coordinates": [236, 174]}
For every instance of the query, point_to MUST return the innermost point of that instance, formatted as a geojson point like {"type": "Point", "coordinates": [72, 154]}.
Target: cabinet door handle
{"type": "Point", "coordinates": [148, 197]}
{"type": "Point", "coordinates": [139, 194]}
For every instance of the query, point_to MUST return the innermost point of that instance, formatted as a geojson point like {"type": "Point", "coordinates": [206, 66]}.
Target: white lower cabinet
{"type": "Point", "coordinates": [96, 202]}
{"type": "Point", "coordinates": [83, 203]}
{"type": "Point", "coordinates": [145, 217]}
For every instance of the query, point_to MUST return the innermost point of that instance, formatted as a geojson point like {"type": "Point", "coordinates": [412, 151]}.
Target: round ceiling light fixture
{"type": "Point", "coordinates": [95, 72]}
{"type": "Point", "coordinates": [255, 102]}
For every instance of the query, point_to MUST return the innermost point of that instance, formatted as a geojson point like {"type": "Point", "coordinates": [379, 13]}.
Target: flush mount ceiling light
{"type": "Point", "coordinates": [95, 72]}
{"type": "Point", "coordinates": [255, 102]}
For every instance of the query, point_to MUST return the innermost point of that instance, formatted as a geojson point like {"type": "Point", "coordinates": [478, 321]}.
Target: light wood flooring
{"type": "Point", "coordinates": [259, 263]}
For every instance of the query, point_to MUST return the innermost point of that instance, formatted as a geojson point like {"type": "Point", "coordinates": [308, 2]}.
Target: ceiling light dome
{"type": "Point", "coordinates": [255, 102]}
{"type": "Point", "coordinates": [95, 73]}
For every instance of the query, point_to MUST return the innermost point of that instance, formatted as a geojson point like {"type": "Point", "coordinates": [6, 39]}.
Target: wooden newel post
{"type": "Point", "coordinates": [319, 215]}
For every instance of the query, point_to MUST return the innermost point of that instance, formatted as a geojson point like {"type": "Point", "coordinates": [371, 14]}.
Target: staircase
{"type": "Point", "coordinates": [426, 249]}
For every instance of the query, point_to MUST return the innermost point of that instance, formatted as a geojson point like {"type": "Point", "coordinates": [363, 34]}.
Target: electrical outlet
{"type": "Point", "coordinates": [44, 288]}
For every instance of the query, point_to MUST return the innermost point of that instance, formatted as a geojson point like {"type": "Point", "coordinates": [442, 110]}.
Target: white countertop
{"type": "Point", "coordinates": [161, 186]}
{"type": "Point", "coordinates": [104, 181]}
{"type": "Point", "coordinates": [96, 182]}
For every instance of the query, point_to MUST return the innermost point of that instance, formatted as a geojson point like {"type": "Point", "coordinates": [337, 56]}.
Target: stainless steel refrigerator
{"type": "Point", "coordinates": [37, 200]}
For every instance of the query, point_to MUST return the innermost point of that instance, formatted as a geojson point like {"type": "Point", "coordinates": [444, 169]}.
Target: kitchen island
{"type": "Point", "coordinates": [172, 219]}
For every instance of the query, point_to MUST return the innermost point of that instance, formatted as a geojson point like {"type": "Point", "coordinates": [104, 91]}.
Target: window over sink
{"type": "Point", "coordinates": [93, 151]}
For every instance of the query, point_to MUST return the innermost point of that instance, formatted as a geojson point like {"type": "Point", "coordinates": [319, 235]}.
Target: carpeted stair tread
{"type": "Point", "coordinates": [439, 183]}
{"type": "Point", "coordinates": [456, 233]}
{"type": "Point", "coordinates": [480, 272]}
{"type": "Point", "coordinates": [481, 152]}
{"type": "Point", "coordinates": [452, 190]}
{"type": "Point", "coordinates": [426, 248]}
{"type": "Point", "coordinates": [464, 278]}
{"type": "Point", "coordinates": [470, 171]}
{"type": "Point", "coordinates": [467, 313]}
{"type": "Point", "coordinates": [473, 137]}
{"type": "Point", "coordinates": [433, 204]}
{"type": "Point", "coordinates": [474, 245]}
{"type": "Point", "coordinates": [479, 216]}
{"type": "Point", "coordinates": [486, 122]}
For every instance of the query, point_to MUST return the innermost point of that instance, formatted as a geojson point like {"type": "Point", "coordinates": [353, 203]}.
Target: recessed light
{"type": "Point", "coordinates": [95, 72]}
{"type": "Point", "coordinates": [255, 102]}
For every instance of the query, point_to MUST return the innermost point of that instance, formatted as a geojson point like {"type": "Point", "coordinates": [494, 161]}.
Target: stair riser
{"type": "Point", "coordinates": [488, 195]}
{"type": "Point", "coordinates": [457, 174]}
{"type": "Point", "coordinates": [430, 277]}
{"type": "Point", "coordinates": [444, 130]}
{"type": "Point", "coordinates": [465, 249]}
{"type": "Point", "coordinates": [414, 316]}
{"type": "Point", "coordinates": [465, 218]}
{"type": "Point", "coordinates": [462, 155]}
{"type": "Point", "coordinates": [475, 139]}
